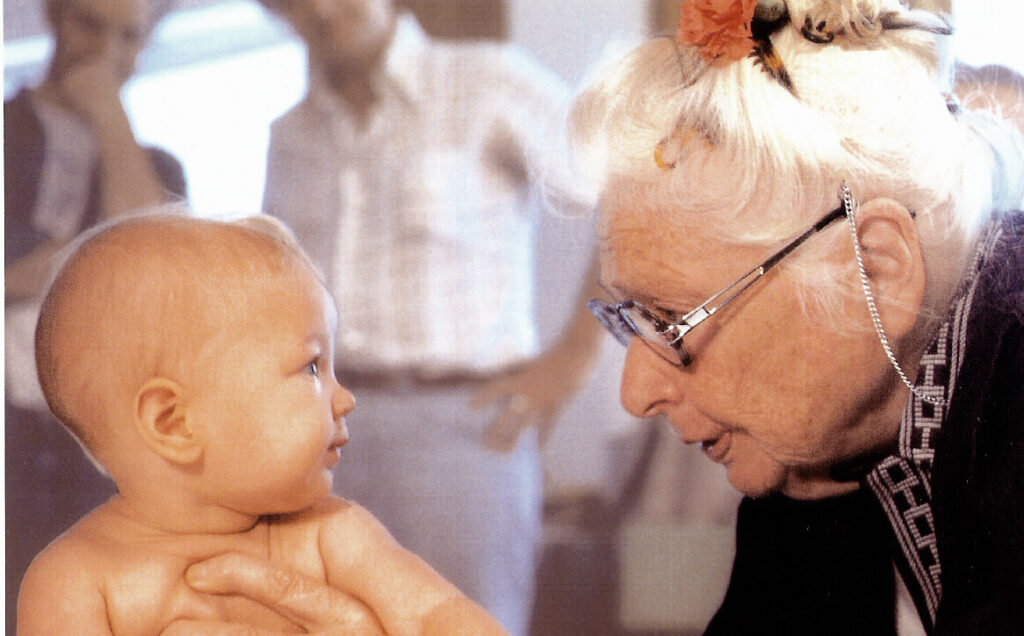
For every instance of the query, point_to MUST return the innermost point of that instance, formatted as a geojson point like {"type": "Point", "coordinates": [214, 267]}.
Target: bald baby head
{"type": "Point", "coordinates": [142, 298]}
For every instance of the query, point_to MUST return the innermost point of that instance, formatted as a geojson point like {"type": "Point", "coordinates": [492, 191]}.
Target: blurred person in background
{"type": "Point", "coordinates": [409, 172]}
{"type": "Point", "coordinates": [71, 160]}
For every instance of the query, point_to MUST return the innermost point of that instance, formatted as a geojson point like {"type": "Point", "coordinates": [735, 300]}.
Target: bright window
{"type": "Point", "coordinates": [987, 32]}
{"type": "Point", "coordinates": [215, 114]}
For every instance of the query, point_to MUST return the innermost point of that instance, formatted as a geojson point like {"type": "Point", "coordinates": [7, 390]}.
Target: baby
{"type": "Point", "coordinates": [192, 359]}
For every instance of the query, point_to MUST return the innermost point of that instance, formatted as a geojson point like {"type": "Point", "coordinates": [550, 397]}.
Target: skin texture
{"type": "Point", "coordinates": [772, 394]}
{"type": "Point", "coordinates": [228, 453]}
{"type": "Point", "coordinates": [341, 34]}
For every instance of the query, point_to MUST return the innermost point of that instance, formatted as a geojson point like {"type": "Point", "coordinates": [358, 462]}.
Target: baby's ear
{"type": "Point", "coordinates": [164, 423]}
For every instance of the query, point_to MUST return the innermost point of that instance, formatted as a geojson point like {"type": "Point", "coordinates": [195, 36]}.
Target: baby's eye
{"type": "Point", "coordinates": [313, 368]}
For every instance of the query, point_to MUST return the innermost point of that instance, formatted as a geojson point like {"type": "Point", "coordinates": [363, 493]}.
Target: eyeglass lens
{"type": "Point", "coordinates": [630, 319]}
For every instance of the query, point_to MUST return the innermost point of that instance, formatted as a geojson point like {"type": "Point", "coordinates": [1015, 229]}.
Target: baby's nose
{"type": "Point", "coordinates": [342, 402]}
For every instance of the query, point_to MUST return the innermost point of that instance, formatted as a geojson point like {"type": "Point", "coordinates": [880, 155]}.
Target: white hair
{"type": "Point", "coordinates": [756, 163]}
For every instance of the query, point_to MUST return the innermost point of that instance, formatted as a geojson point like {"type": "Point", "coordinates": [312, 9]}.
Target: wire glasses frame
{"type": "Point", "coordinates": [629, 318]}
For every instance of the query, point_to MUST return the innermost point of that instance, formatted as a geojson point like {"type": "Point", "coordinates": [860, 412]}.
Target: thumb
{"type": "Point", "coordinates": [304, 600]}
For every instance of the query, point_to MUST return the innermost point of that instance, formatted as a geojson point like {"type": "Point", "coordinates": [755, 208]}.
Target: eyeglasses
{"type": "Point", "coordinates": [629, 318]}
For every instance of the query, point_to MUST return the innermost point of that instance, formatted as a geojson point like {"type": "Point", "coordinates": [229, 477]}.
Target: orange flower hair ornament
{"type": "Point", "coordinates": [720, 32]}
{"type": "Point", "coordinates": [719, 28]}
{"type": "Point", "coordinates": [724, 31]}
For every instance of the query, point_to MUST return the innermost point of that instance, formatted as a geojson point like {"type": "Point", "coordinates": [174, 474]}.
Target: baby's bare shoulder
{"type": "Point", "coordinates": [341, 519]}
{"type": "Point", "coordinates": [338, 530]}
{"type": "Point", "coordinates": [362, 559]}
{"type": "Point", "coordinates": [62, 591]}
{"type": "Point", "coordinates": [331, 513]}
{"type": "Point", "coordinates": [81, 552]}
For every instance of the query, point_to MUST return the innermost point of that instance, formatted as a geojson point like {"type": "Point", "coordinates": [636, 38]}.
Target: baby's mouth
{"type": "Point", "coordinates": [340, 436]}
{"type": "Point", "coordinates": [339, 440]}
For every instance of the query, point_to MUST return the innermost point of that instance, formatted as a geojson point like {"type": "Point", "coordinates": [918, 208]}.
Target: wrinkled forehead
{"type": "Point", "coordinates": [635, 241]}
{"type": "Point", "coordinates": [665, 250]}
{"type": "Point", "coordinates": [629, 205]}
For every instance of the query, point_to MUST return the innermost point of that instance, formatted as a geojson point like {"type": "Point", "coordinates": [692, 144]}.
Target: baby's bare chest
{"type": "Point", "coordinates": [145, 590]}
{"type": "Point", "coordinates": [145, 596]}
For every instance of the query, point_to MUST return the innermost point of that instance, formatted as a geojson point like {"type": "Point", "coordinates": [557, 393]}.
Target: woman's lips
{"type": "Point", "coordinates": [717, 449]}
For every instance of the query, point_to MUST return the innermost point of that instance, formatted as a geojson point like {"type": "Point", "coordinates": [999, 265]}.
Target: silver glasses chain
{"type": "Point", "coordinates": [876, 319]}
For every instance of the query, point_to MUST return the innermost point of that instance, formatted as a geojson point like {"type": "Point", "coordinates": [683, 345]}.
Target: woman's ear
{"type": "Point", "coordinates": [164, 422]}
{"type": "Point", "coordinates": [893, 261]}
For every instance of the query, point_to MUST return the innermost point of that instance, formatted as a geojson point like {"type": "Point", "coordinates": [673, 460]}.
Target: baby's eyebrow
{"type": "Point", "coordinates": [316, 340]}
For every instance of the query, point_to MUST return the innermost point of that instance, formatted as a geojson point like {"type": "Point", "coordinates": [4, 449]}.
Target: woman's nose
{"type": "Point", "coordinates": [648, 381]}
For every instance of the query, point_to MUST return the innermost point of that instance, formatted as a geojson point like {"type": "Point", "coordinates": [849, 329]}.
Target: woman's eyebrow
{"type": "Point", "coordinates": [606, 289]}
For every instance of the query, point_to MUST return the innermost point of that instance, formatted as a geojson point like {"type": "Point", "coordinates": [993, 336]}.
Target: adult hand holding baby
{"type": "Point", "coordinates": [317, 608]}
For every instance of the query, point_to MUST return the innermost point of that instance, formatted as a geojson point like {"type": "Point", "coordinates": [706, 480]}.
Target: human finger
{"type": "Point", "coordinates": [492, 392]}
{"type": "Point", "coordinates": [503, 434]}
{"type": "Point", "coordinates": [314, 605]}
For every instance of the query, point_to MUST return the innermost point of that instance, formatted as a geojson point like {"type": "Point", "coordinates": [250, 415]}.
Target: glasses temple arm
{"type": "Point", "coordinates": [701, 313]}
{"type": "Point", "coordinates": [838, 213]}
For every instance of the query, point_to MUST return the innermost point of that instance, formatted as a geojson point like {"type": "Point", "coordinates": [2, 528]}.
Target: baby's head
{"type": "Point", "coordinates": [207, 343]}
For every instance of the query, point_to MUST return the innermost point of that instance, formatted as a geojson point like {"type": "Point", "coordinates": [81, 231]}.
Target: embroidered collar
{"type": "Point", "coordinates": [902, 481]}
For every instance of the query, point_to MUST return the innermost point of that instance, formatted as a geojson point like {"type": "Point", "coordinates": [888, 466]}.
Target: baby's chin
{"type": "Point", "coordinates": [295, 502]}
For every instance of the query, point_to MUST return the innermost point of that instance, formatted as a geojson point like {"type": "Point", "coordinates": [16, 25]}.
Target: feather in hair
{"type": "Point", "coordinates": [769, 17]}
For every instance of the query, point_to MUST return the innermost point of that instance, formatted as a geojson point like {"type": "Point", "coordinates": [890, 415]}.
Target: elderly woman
{"type": "Point", "coordinates": [812, 268]}
{"type": "Point", "coordinates": [814, 262]}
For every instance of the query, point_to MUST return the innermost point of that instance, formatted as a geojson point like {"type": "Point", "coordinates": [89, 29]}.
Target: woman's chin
{"type": "Point", "coordinates": [754, 483]}
{"type": "Point", "coordinates": [754, 474]}
{"type": "Point", "coordinates": [816, 487]}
